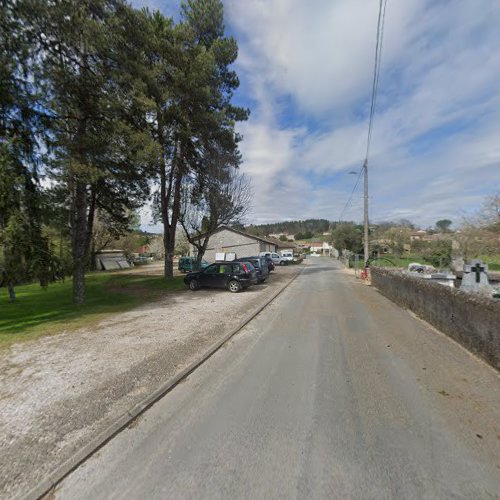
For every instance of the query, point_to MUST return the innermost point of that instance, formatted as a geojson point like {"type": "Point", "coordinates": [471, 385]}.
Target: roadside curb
{"type": "Point", "coordinates": [124, 420]}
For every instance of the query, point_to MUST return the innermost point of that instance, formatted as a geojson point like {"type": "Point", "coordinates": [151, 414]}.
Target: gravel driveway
{"type": "Point", "coordinates": [57, 392]}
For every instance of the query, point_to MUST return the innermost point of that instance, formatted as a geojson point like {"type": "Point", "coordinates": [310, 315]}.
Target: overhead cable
{"type": "Point", "coordinates": [348, 203]}
{"type": "Point", "coordinates": [376, 75]}
{"type": "Point", "coordinates": [376, 71]}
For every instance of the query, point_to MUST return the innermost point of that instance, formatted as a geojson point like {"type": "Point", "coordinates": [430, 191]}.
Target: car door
{"type": "Point", "coordinates": [225, 272]}
{"type": "Point", "coordinates": [264, 270]}
{"type": "Point", "coordinates": [258, 268]}
{"type": "Point", "coordinates": [209, 275]}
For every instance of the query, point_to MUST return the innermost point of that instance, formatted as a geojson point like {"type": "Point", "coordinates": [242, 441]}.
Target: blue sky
{"type": "Point", "coordinates": [306, 68]}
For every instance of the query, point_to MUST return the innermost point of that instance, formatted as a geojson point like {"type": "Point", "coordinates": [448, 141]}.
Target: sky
{"type": "Point", "coordinates": [306, 70]}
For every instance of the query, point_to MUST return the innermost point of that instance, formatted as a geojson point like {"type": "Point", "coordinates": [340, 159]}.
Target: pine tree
{"type": "Point", "coordinates": [192, 89]}
{"type": "Point", "coordinates": [98, 152]}
{"type": "Point", "coordinates": [26, 252]}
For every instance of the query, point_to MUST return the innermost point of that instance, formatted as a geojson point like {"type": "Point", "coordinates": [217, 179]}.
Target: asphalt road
{"type": "Point", "coordinates": [332, 392]}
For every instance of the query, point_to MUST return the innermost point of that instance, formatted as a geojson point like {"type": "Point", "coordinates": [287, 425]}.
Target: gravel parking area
{"type": "Point", "coordinates": [58, 392]}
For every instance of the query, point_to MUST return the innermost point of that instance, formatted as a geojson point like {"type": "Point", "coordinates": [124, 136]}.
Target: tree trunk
{"type": "Point", "coordinates": [79, 240]}
{"type": "Point", "coordinates": [78, 188]}
{"type": "Point", "coordinates": [92, 257]}
{"type": "Point", "coordinates": [89, 241]}
{"type": "Point", "coordinates": [168, 268]}
{"type": "Point", "coordinates": [165, 192]}
{"type": "Point", "coordinates": [12, 293]}
{"type": "Point", "coordinates": [171, 189]}
{"type": "Point", "coordinates": [201, 252]}
{"type": "Point", "coordinates": [79, 284]}
{"type": "Point", "coordinates": [169, 257]}
{"type": "Point", "coordinates": [164, 212]}
{"type": "Point", "coordinates": [176, 210]}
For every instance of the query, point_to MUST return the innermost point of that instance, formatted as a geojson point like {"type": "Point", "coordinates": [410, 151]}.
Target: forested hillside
{"type": "Point", "coordinates": [314, 226]}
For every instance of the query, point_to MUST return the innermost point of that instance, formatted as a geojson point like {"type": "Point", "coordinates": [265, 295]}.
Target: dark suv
{"type": "Point", "coordinates": [260, 264]}
{"type": "Point", "coordinates": [235, 276]}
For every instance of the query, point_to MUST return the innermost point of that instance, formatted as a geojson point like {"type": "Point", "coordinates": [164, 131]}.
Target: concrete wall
{"type": "Point", "coordinates": [265, 247]}
{"type": "Point", "coordinates": [228, 241]}
{"type": "Point", "coordinates": [472, 320]}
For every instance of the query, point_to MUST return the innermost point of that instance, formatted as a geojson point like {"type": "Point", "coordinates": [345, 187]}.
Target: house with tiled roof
{"type": "Point", "coordinates": [284, 246]}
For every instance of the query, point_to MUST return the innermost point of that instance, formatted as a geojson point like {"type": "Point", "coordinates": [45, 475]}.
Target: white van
{"type": "Point", "coordinates": [278, 260]}
{"type": "Point", "coordinates": [287, 255]}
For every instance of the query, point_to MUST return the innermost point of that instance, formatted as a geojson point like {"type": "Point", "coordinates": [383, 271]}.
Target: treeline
{"type": "Point", "coordinates": [311, 226]}
{"type": "Point", "coordinates": [103, 107]}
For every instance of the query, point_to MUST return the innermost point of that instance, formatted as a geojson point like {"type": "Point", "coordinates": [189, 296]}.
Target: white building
{"type": "Point", "coordinates": [229, 240]}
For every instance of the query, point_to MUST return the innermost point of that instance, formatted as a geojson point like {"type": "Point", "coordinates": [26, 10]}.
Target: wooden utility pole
{"type": "Point", "coordinates": [366, 247]}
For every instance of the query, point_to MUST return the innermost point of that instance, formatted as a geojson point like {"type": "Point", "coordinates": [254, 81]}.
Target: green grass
{"type": "Point", "coordinates": [387, 260]}
{"type": "Point", "coordinates": [38, 312]}
{"type": "Point", "coordinates": [493, 261]}
{"type": "Point", "coordinates": [397, 261]}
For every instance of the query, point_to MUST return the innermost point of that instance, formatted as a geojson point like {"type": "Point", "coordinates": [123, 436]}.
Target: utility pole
{"type": "Point", "coordinates": [366, 248]}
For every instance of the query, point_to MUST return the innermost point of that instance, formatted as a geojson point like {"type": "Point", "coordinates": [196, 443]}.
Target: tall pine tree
{"type": "Point", "coordinates": [98, 150]}
{"type": "Point", "coordinates": [23, 124]}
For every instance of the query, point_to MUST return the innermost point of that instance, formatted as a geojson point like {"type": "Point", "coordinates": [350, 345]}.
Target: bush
{"type": "Point", "coordinates": [439, 254]}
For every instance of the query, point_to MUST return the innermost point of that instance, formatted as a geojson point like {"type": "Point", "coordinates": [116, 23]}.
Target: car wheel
{"type": "Point", "coordinates": [234, 286]}
{"type": "Point", "coordinates": [194, 285]}
{"type": "Point", "coordinates": [282, 263]}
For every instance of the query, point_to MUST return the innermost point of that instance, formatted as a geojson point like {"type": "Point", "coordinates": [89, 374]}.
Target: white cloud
{"type": "Point", "coordinates": [308, 66]}
{"type": "Point", "coordinates": [320, 53]}
{"type": "Point", "coordinates": [434, 149]}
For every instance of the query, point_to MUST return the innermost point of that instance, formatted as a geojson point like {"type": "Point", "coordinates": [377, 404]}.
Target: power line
{"type": "Point", "coordinates": [376, 75]}
{"type": "Point", "coordinates": [376, 70]}
{"type": "Point", "coordinates": [348, 203]}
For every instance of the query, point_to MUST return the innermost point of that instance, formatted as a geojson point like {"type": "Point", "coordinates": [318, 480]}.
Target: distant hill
{"type": "Point", "coordinates": [314, 226]}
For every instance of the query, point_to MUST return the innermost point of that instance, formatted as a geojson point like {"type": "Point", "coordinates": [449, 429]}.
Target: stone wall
{"type": "Point", "coordinates": [472, 320]}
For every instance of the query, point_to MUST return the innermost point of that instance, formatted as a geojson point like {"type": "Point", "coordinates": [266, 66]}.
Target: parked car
{"type": "Point", "coordinates": [287, 255]}
{"type": "Point", "coordinates": [186, 264]}
{"type": "Point", "coordinates": [269, 262]}
{"type": "Point", "coordinates": [235, 276]}
{"type": "Point", "coordinates": [260, 264]}
{"type": "Point", "coordinates": [141, 259]}
{"type": "Point", "coordinates": [276, 258]}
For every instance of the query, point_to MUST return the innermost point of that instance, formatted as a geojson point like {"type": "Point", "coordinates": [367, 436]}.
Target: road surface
{"type": "Point", "coordinates": [331, 392]}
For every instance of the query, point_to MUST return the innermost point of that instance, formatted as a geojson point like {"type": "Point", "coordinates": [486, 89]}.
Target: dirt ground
{"type": "Point", "coordinates": [153, 269]}
{"type": "Point", "coordinates": [57, 392]}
